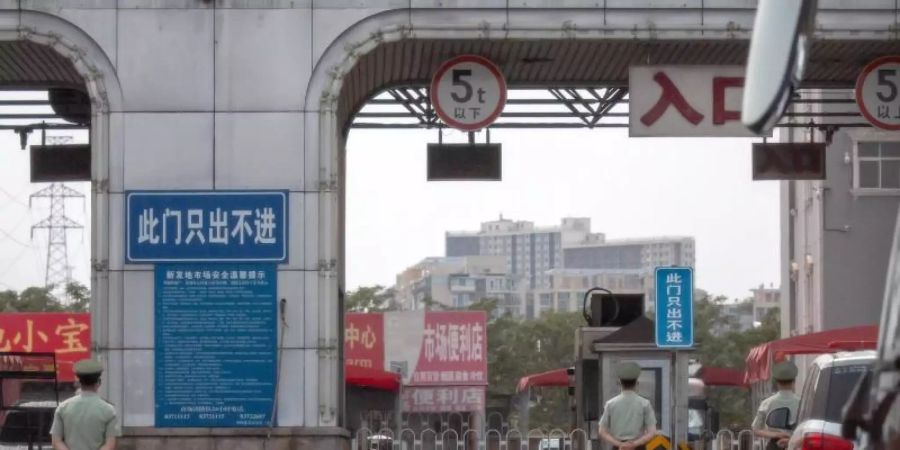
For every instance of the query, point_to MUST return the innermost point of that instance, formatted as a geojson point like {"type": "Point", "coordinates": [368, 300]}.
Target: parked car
{"type": "Point", "coordinates": [872, 417]}
{"type": "Point", "coordinates": [827, 389]}
{"type": "Point", "coordinates": [27, 427]}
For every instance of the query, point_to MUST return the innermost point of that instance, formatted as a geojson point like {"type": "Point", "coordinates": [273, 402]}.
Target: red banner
{"type": "Point", "coordinates": [454, 350]}
{"type": "Point", "coordinates": [364, 340]}
{"type": "Point", "coordinates": [66, 334]}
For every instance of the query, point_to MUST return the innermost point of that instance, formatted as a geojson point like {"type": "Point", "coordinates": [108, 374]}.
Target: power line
{"type": "Point", "coordinates": [14, 239]}
{"type": "Point", "coordinates": [13, 198]}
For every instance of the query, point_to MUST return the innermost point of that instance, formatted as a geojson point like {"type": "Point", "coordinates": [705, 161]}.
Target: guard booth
{"type": "Point", "coordinates": [619, 332]}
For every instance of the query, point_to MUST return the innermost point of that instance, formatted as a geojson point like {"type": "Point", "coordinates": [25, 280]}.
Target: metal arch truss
{"type": "Point", "coordinates": [580, 107]}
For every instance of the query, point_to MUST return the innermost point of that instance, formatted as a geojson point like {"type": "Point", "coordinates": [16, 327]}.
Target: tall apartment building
{"type": "Point", "coordinates": [543, 258]}
{"type": "Point", "coordinates": [638, 255]}
{"type": "Point", "coordinates": [529, 251]}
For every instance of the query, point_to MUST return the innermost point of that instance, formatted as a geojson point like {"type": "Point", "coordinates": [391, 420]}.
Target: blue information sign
{"type": "Point", "coordinates": [215, 344]}
{"type": "Point", "coordinates": [674, 307]}
{"type": "Point", "coordinates": [221, 226]}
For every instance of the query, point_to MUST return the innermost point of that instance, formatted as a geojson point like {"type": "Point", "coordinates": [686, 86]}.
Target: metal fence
{"type": "Point", "coordinates": [493, 439]}
{"type": "Point", "coordinates": [742, 440]}
{"type": "Point", "coordinates": [429, 439]}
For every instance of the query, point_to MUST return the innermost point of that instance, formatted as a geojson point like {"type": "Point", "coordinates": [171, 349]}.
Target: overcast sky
{"type": "Point", "coordinates": [628, 187]}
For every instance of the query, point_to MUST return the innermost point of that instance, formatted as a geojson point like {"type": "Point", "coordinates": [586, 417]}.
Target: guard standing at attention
{"type": "Point", "coordinates": [784, 374]}
{"type": "Point", "coordinates": [85, 421]}
{"type": "Point", "coordinates": [628, 421]}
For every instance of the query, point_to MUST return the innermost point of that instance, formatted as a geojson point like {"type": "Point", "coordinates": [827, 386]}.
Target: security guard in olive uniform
{"type": "Point", "coordinates": [628, 421]}
{"type": "Point", "coordinates": [784, 374]}
{"type": "Point", "coordinates": [85, 421]}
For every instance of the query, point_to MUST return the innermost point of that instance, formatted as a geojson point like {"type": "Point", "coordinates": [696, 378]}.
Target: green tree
{"type": "Point", "coordinates": [42, 299]}
{"type": "Point", "coordinates": [729, 349]}
{"type": "Point", "coordinates": [369, 299]}
{"type": "Point", "coordinates": [517, 348]}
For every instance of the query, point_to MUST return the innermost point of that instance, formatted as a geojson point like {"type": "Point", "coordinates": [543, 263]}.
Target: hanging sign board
{"type": "Point", "coordinates": [685, 101]}
{"type": "Point", "coordinates": [878, 92]}
{"type": "Point", "coordinates": [788, 161]}
{"type": "Point", "coordinates": [60, 163]}
{"type": "Point", "coordinates": [468, 92]}
{"type": "Point", "coordinates": [464, 162]}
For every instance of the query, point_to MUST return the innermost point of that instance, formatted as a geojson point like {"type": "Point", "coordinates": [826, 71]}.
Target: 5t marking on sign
{"type": "Point", "coordinates": [468, 92]}
{"type": "Point", "coordinates": [878, 92]}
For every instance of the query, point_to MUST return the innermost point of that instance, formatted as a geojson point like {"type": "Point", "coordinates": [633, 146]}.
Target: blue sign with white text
{"type": "Point", "coordinates": [674, 307]}
{"type": "Point", "coordinates": [206, 226]}
{"type": "Point", "coordinates": [216, 346]}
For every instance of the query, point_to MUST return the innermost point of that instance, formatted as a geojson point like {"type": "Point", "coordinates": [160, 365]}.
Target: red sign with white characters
{"type": "Point", "coordinates": [443, 399]}
{"type": "Point", "coordinates": [68, 335]}
{"type": "Point", "coordinates": [454, 350]}
{"type": "Point", "coordinates": [364, 340]}
{"type": "Point", "coordinates": [666, 101]}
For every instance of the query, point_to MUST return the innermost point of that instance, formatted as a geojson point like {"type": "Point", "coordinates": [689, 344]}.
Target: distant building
{"type": "Point", "coordinates": [528, 251]}
{"type": "Point", "coordinates": [455, 282]}
{"type": "Point", "coordinates": [530, 270]}
{"type": "Point", "coordinates": [765, 300]}
{"type": "Point", "coordinates": [568, 286]}
{"type": "Point", "coordinates": [736, 317]}
{"type": "Point", "coordinates": [641, 256]}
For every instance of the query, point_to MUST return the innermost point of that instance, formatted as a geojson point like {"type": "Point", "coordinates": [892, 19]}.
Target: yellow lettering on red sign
{"type": "Point", "coordinates": [70, 334]}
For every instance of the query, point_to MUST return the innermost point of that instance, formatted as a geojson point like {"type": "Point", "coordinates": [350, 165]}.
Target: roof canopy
{"type": "Point", "coordinates": [721, 376]}
{"type": "Point", "coordinates": [761, 357]}
{"type": "Point", "coordinates": [372, 378]}
{"type": "Point", "coordinates": [555, 377]}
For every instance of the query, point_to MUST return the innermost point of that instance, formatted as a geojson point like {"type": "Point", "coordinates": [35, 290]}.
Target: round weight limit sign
{"type": "Point", "coordinates": [878, 92]}
{"type": "Point", "coordinates": [468, 92]}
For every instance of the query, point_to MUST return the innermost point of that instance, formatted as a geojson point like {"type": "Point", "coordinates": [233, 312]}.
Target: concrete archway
{"type": "Point", "coordinates": [56, 52]}
{"type": "Point", "coordinates": [533, 47]}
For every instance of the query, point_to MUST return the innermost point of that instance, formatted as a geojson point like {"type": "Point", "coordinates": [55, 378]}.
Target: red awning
{"type": "Point", "coordinates": [762, 356]}
{"type": "Point", "coordinates": [556, 377]}
{"type": "Point", "coordinates": [372, 378]}
{"type": "Point", "coordinates": [721, 376]}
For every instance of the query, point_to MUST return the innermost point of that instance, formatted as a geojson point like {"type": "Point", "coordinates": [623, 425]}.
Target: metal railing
{"type": "Point", "coordinates": [742, 440]}
{"type": "Point", "coordinates": [429, 439]}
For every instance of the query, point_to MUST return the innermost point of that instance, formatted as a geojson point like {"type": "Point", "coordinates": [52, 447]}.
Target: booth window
{"type": "Point", "coordinates": [877, 166]}
{"type": "Point", "coordinates": [650, 387]}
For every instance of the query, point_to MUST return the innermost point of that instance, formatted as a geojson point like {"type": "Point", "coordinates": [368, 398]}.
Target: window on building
{"type": "Point", "coordinates": [877, 165]}
{"type": "Point", "coordinates": [565, 303]}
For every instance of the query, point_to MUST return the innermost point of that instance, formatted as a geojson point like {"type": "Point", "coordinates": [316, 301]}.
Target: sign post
{"type": "Point", "coordinates": [674, 307]}
{"type": "Point", "coordinates": [468, 92]}
{"type": "Point", "coordinates": [878, 92]}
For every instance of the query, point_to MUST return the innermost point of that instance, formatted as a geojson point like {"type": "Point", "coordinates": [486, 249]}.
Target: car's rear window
{"type": "Point", "coordinates": [840, 383]}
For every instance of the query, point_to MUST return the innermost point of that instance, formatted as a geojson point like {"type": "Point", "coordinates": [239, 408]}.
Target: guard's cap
{"type": "Point", "coordinates": [628, 371]}
{"type": "Point", "coordinates": [88, 367]}
{"type": "Point", "coordinates": [784, 371]}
